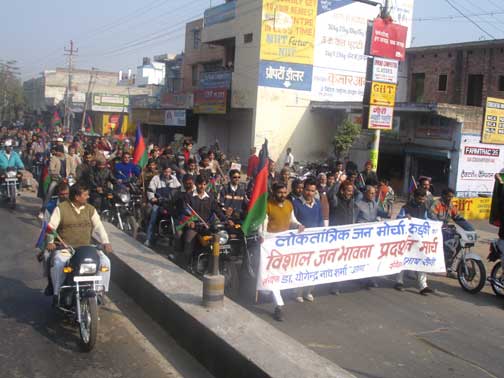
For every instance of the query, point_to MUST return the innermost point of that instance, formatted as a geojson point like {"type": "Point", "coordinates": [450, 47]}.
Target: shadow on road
{"type": "Point", "coordinates": [30, 307]}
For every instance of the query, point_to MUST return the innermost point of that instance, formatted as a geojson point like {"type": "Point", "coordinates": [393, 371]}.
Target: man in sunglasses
{"type": "Point", "coordinates": [233, 198]}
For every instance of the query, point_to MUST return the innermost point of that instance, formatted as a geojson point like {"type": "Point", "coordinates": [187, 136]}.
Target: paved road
{"type": "Point", "coordinates": [35, 343]}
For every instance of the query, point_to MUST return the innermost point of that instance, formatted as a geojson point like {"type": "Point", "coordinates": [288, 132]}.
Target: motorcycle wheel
{"type": "Point", "coordinates": [12, 197]}
{"type": "Point", "coordinates": [133, 225]}
{"type": "Point", "coordinates": [474, 281]}
{"type": "Point", "coordinates": [497, 275]}
{"type": "Point", "coordinates": [88, 326]}
{"type": "Point", "coordinates": [231, 279]}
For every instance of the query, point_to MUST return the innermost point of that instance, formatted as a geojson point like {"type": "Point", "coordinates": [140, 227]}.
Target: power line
{"type": "Point", "coordinates": [470, 20]}
{"type": "Point", "coordinates": [491, 24]}
{"type": "Point", "coordinates": [453, 17]}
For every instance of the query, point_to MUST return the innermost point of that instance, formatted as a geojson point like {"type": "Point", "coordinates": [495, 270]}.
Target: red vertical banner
{"type": "Point", "coordinates": [388, 39]}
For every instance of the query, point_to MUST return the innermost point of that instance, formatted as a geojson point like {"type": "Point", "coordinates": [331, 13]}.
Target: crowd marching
{"type": "Point", "coordinates": [212, 187]}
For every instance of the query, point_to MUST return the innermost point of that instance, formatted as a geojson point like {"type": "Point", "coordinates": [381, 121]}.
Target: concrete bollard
{"type": "Point", "coordinates": [213, 290]}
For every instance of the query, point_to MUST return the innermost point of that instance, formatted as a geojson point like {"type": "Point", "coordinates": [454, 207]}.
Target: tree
{"type": "Point", "coordinates": [11, 91]}
{"type": "Point", "coordinates": [345, 137]}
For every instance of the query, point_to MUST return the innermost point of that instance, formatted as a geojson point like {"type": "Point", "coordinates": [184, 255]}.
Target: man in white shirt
{"type": "Point", "coordinates": [289, 158]}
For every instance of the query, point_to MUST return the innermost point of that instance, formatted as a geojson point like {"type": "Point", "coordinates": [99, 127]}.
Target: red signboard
{"type": "Point", "coordinates": [389, 40]}
{"type": "Point", "coordinates": [210, 101]}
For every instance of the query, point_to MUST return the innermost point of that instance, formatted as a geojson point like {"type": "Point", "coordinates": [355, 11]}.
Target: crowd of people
{"type": "Point", "coordinates": [203, 182]}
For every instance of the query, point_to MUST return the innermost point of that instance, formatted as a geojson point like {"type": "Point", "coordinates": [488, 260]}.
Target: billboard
{"type": "Point", "coordinates": [210, 101]}
{"type": "Point", "coordinates": [175, 117]}
{"type": "Point", "coordinates": [493, 123]}
{"type": "Point", "coordinates": [388, 39]}
{"type": "Point", "coordinates": [477, 165]}
{"type": "Point", "coordinates": [110, 103]}
{"type": "Point", "coordinates": [383, 94]}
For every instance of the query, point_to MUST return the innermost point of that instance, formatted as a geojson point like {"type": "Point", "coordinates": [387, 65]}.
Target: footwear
{"type": "Point", "coordinates": [399, 287]}
{"type": "Point", "coordinates": [335, 291]}
{"type": "Point", "coordinates": [147, 244]}
{"type": "Point", "coordinates": [40, 216]}
{"type": "Point", "coordinates": [278, 314]}
{"type": "Point", "coordinates": [426, 290]}
{"type": "Point", "coordinates": [299, 299]}
{"type": "Point", "coordinates": [309, 298]}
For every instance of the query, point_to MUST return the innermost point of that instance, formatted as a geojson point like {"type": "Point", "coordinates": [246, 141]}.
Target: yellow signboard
{"type": "Point", "coordinates": [288, 31]}
{"type": "Point", "coordinates": [474, 208]}
{"type": "Point", "coordinates": [383, 94]}
{"type": "Point", "coordinates": [493, 123]}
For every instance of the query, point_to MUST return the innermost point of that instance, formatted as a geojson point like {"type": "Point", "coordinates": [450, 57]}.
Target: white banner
{"type": "Point", "coordinates": [332, 254]}
{"type": "Point", "coordinates": [477, 165]}
{"type": "Point", "coordinates": [385, 70]}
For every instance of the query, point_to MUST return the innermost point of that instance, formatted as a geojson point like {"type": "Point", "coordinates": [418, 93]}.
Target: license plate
{"type": "Point", "coordinates": [87, 278]}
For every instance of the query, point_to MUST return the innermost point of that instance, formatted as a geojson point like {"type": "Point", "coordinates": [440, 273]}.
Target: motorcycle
{"type": "Point", "coordinates": [468, 266]}
{"type": "Point", "coordinates": [166, 223]}
{"type": "Point", "coordinates": [80, 294]}
{"type": "Point", "coordinates": [119, 209]}
{"type": "Point", "coordinates": [496, 278]}
{"type": "Point", "coordinates": [10, 180]}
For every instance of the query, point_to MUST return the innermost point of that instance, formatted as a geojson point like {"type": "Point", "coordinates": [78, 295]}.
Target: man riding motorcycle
{"type": "Point", "coordinates": [73, 223]}
{"type": "Point", "coordinates": [9, 157]}
{"type": "Point", "coordinates": [100, 178]}
{"type": "Point", "coordinates": [159, 187]}
{"type": "Point", "coordinates": [233, 198]}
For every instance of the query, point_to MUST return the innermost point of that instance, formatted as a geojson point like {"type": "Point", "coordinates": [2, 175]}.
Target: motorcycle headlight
{"type": "Point", "coordinates": [223, 237]}
{"type": "Point", "coordinates": [125, 197]}
{"type": "Point", "coordinates": [87, 268]}
{"type": "Point", "coordinates": [11, 174]}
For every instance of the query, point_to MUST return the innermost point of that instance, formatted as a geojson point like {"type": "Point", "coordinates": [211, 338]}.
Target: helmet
{"type": "Point", "coordinates": [8, 143]}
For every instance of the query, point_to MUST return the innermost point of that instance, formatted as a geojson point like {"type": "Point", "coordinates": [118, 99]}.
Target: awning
{"type": "Point", "coordinates": [427, 152]}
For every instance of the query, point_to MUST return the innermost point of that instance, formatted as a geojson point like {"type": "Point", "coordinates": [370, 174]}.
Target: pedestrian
{"type": "Point", "coordinates": [252, 163]}
{"type": "Point", "coordinates": [415, 208]}
{"type": "Point", "coordinates": [285, 178]}
{"type": "Point", "coordinates": [289, 158]}
{"type": "Point", "coordinates": [368, 175]}
{"type": "Point", "coordinates": [425, 184]}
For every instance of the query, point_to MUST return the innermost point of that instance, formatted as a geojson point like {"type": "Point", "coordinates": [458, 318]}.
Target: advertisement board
{"type": "Point", "coordinates": [385, 70]}
{"type": "Point", "coordinates": [493, 123]}
{"type": "Point", "coordinates": [110, 103]}
{"type": "Point", "coordinates": [383, 94]}
{"type": "Point", "coordinates": [388, 39]}
{"type": "Point", "coordinates": [381, 117]}
{"type": "Point", "coordinates": [176, 117]}
{"type": "Point", "coordinates": [477, 165]}
{"type": "Point", "coordinates": [210, 101]}
{"type": "Point", "coordinates": [217, 79]}
{"type": "Point", "coordinates": [285, 75]}
{"type": "Point", "coordinates": [177, 100]}
{"type": "Point", "coordinates": [477, 208]}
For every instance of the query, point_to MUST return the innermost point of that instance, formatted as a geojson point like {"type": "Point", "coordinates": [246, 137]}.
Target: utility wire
{"type": "Point", "coordinates": [491, 24]}
{"type": "Point", "coordinates": [470, 20]}
{"type": "Point", "coordinates": [453, 17]}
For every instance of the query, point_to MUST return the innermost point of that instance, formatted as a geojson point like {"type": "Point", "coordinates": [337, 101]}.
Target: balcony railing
{"type": "Point", "coordinates": [219, 14]}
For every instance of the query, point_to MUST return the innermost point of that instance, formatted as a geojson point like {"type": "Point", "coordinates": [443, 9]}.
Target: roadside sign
{"type": "Point", "coordinates": [493, 123]}
{"type": "Point", "coordinates": [381, 117]}
{"type": "Point", "coordinates": [383, 94]}
{"type": "Point", "coordinates": [385, 70]}
{"type": "Point", "coordinates": [388, 39]}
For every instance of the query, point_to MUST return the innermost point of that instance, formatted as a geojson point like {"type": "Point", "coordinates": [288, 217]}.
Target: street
{"type": "Point", "coordinates": [37, 343]}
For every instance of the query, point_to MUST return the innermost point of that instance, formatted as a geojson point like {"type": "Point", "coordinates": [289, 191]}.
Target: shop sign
{"type": "Point", "coordinates": [177, 100]}
{"type": "Point", "coordinates": [383, 94]}
{"type": "Point", "coordinates": [285, 75]}
{"type": "Point", "coordinates": [210, 101]}
{"type": "Point", "coordinates": [218, 79]}
{"type": "Point", "coordinates": [381, 117]}
{"type": "Point", "coordinates": [389, 39]}
{"type": "Point", "coordinates": [175, 117]}
{"type": "Point", "coordinates": [110, 103]}
{"type": "Point", "coordinates": [385, 70]}
{"type": "Point", "coordinates": [474, 208]}
{"type": "Point", "coordinates": [493, 123]}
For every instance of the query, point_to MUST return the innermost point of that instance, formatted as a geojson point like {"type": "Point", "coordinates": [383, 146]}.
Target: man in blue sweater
{"type": "Point", "coordinates": [126, 169]}
{"type": "Point", "coordinates": [309, 213]}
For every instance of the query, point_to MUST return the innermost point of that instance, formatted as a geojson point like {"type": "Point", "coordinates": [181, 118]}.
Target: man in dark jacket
{"type": "Point", "coordinates": [233, 198]}
{"type": "Point", "coordinates": [100, 178]}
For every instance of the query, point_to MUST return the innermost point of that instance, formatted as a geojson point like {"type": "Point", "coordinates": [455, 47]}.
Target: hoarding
{"type": "Point", "coordinates": [175, 117]}
{"type": "Point", "coordinates": [177, 100]}
{"type": "Point", "coordinates": [385, 70]}
{"type": "Point", "coordinates": [493, 123]}
{"type": "Point", "coordinates": [381, 117]}
{"type": "Point", "coordinates": [110, 103]}
{"type": "Point", "coordinates": [477, 165]}
{"type": "Point", "coordinates": [388, 39]}
{"type": "Point", "coordinates": [210, 101]}
{"type": "Point", "coordinates": [217, 79]}
{"type": "Point", "coordinates": [383, 94]}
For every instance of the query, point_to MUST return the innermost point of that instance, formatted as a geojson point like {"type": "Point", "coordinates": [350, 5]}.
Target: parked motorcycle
{"type": "Point", "coordinates": [9, 185]}
{"type": "Point", "coordinates": [79, 295]}
{"type": "Point", "coordinates": [459, 259]}
{"type": "Point", "coordinates": [496, 278]}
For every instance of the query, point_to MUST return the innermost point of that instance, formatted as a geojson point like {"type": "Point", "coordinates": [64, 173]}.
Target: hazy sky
{"type": "Point", "coordinates": [116, 34]}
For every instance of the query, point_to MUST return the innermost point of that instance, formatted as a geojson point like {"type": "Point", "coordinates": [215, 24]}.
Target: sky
{"type": "Point", "coordinates": [115, 34]}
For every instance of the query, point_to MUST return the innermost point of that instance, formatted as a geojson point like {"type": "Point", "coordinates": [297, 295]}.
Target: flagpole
{"type": "Point", "coordinates": [201, 219]}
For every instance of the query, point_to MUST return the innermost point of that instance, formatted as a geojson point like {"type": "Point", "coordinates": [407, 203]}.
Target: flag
{"type": "Point", "coordinates": [55, 120]}
{"type": "Point", "coordinates": [413, 185]}
{"type": "Point", "coordinates": [45, 179]}
{"type": "Point", "coordinates": [495, 210]}
{"type": "Point", "coordinates": [259, 199]}
{"type": "Point", "coordinates": [190, 216]}
{"type": "Point", "coordinates": [140, 156]}
{"type": "Point", "coordinates": [211, 187]}
{"type": "Point", "coordinates": [89, 122]}
{"type": "Point", "coordinates": [46, 230]}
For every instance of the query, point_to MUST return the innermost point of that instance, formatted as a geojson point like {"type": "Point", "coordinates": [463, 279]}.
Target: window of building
{"type": "Point", "coordinates": [475, 90]}
{"type": "Point", "coordinates": [501, 83]}
{"type": "Point", "coordinates": [197, 39]}
{"type": "Point", "coordinates": [417, 87]}
{"type": "Point", "coordinates": [194, 75]}
{"type": "Point", "coordinates": [248, 38]}
{"type": "Point", "coordinates": [442, 83]}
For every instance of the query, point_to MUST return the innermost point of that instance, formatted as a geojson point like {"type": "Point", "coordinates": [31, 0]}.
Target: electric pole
{"type": "Point", "coordinates": [71, 52]}
{"type": "Point", "coordinates": [91, 83]}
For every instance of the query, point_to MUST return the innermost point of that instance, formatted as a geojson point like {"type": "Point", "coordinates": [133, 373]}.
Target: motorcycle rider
{"type": "Point", "coordinates": [73, 223]}
{"type": "Point", "coordinates": [84, 170]}
{"type": "Point", "coordinates": [58, 169]}
{"type": "Point", "coordinates": [9, 157]}
{"type": "Point", "coordinates": [233, 198]}
{"type": "Point", "coordinates": [415, 208]}
{"type": "Point", "coordinates": [101, 177]}
{"type": "Point", "coordinates": [443, 209]}
{"type": "Point", "coordinates": [126, 169]}
{"type": "Point", "coordinates": [160, 186]}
